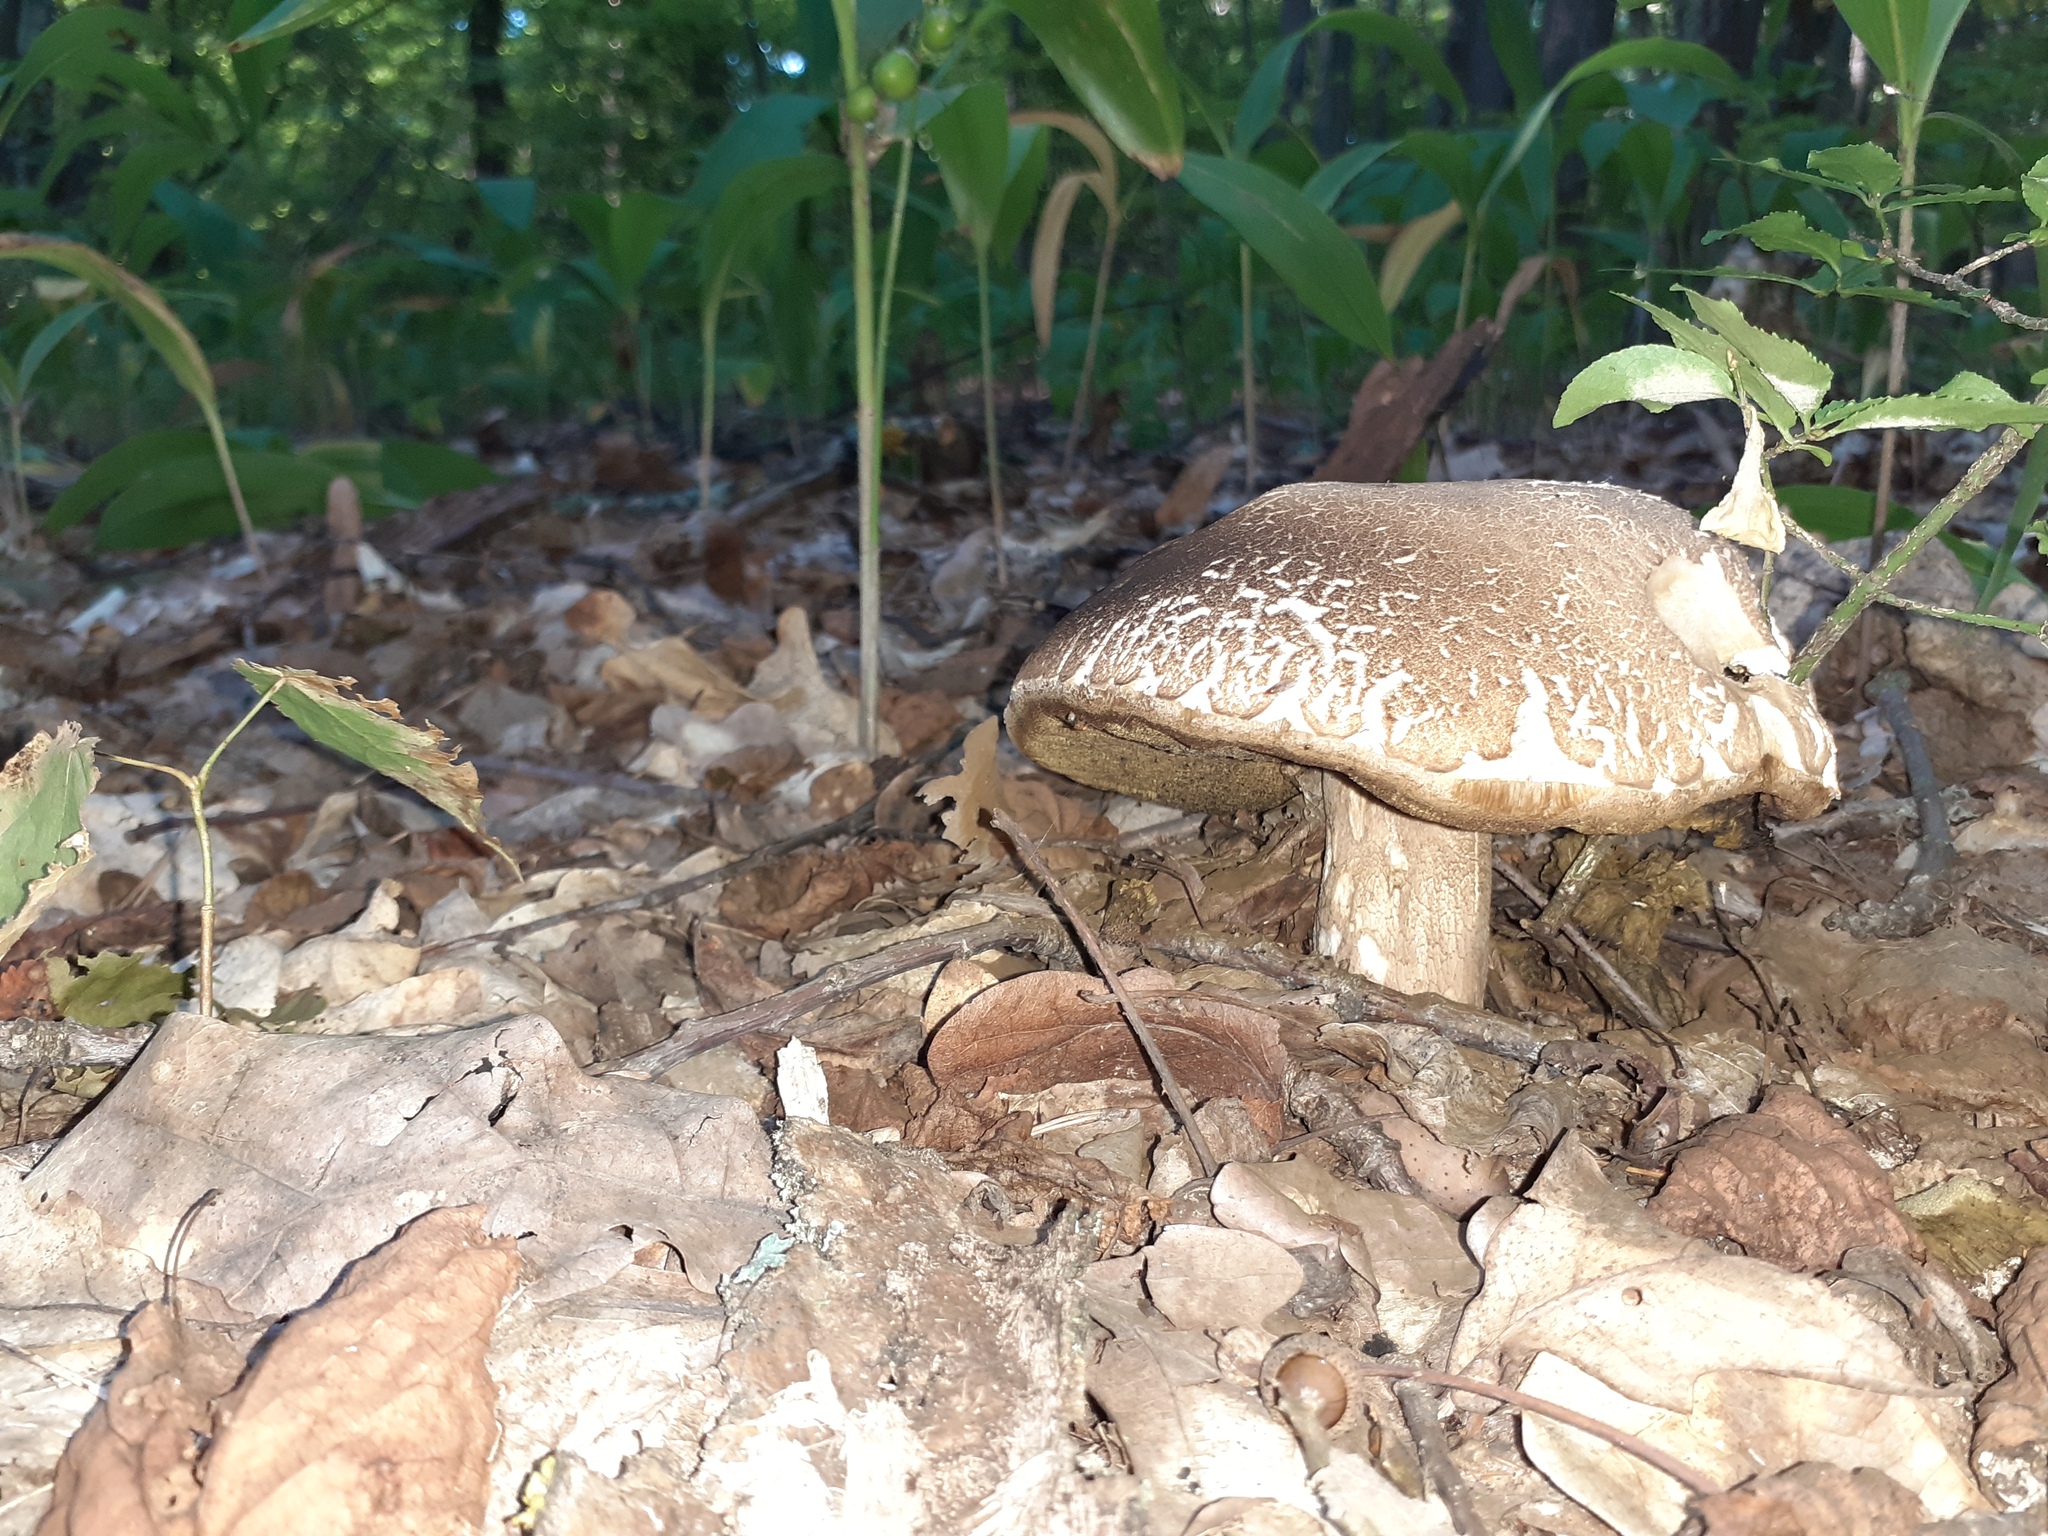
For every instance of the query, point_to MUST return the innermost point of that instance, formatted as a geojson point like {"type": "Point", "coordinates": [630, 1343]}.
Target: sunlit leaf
{"type": "Point", "coordinates": [42, 839]}
{"type": "Point", "coordinates": [114, 991]}
{"type": "Point", "coordinates": [1112, 54]}
{"type": "Point", "coordinates": [1404, 258]}
{"type": "Point", "coordinates": [2034, 188]}
{"type": "Point", "coordinates": [1652, 376]}
{"type": "Point", "coordinates": [1968, 402]}
{"type": "Point", "coordinates": [1797, 374]}
{"type": "Point", "coordinates": [1787, 230]}
{"type": "Point", "coordinates": [1869, 168]}
{"type": "Point", "coordinates": [292, 16]}
{"type": "Point", "coordinates": [372, 732]}
{"type": "Point", "coordinates": [1906, 38]}
{"type": "Point", "coordinates": [1318, 261]}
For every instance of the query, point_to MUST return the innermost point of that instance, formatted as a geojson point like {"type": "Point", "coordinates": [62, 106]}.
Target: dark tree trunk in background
{"type": "Point", "coordinates": [1332, 130]}
{"type": "Point", "coordinates": [1470, 54]}
{"type": "Point", "coordinates": [1294, 15]}
{"type": "Point", "coordinates": [1573, 31]}
{"type": "Point", "coordinates": [487, 86]}
{"type": "Point", "coordinates": [1730, 28]}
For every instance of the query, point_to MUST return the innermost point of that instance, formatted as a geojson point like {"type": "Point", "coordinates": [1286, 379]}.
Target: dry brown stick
{"type": "Point", "coordinates": [778, 1014]}
{"type": "Point", "coordinates": [1646, 1014]}
{"type": "Point", "coordinates": [31, 1045]}
{"type": "Point", "coordinates": [1620, 1439]}
{"type": "Point", "coordinates": [1433, 1450]}
{"type": "Point", "coordinates": [1028, 854]}
{"type": "Point", "coordinates": [1358, 1000]}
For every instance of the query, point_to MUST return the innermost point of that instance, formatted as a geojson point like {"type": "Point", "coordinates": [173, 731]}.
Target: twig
{"type": "Point", "coordinates": [1646, 1014]}
{"type": "Point", "coordinates": [30, 1045]}
{"type": "Point", "coordinates": [1620, 1439]}
{"type": "Point", "coordinates": [1433, 1450]}
{"type": "Point", "coordinates": [1918, 906]}
{"type": "Point", "coordinates": [1564, 899]}
{"type": "Point", "coordinates": [1358, 1000]}
{"type": "Point", "coordinates": [1991, 256]}
{"type": "Point", "coordinates": [1029, 856]}
{"type": "Point", "coordinates": [1879, 813]}
{"type": "Point", "coordinates": [1855, 572]}
{"type": "Point", "coordinates": [780, 1013]}
{"type": "Point", "coordinates": [1955, 285]}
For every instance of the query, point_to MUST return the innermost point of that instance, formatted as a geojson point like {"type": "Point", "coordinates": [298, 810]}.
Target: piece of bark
{"type": "Point", "coordinates": [1814, 1499]}
{"type": "Point", "coordinates": [372, 1412]}
{"type": "Point", "coordinates": [1787, 1183]}
{"type": "Point", "coordinates": [2009, 1453]}
{"type": "Point", "coordinates": [1398, 401]}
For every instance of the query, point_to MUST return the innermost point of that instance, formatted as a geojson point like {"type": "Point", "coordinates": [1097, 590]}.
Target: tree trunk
{"type": "Point", "coordinates": [1332, 130]}
{"type": "Point", "coordinates": [1469, 52]}
{"type": "Point", "coordinates": [1573, 31]}
{"type": "Point", "coordinates": [1295, 15]}
{"type": "Point", "coordinates": [487, 87]}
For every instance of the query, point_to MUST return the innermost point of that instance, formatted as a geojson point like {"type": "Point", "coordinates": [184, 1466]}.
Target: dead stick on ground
{"type": "Point", "coordinates": [1646, 1015]}
{"type": "Point", "coordinates": [779, 1014]}
{"type": "Point", "coordinates": [1433, 1450]}
{"type": "Point", "coordinates": [1027, 853]}
{"type": "Point", "coordinates": [1620, 1439]}
{"type": "Point", "coordinates": [1918, 906]}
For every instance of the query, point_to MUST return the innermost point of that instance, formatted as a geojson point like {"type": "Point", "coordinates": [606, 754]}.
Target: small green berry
{"type": "Point", "coordinates": [861, 105]}
{"type": "Point", "coordinates": [895, 75]}
{"type": "Point", "coordinates": [941, 30]}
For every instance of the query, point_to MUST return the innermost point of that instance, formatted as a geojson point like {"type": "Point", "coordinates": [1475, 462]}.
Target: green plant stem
{"type": "Point", "coordinates": [195, 791]}
{"type": "Point", "coordinates": [2033, 484]}
{"type": "Point", "coordinates": [994, 453]}
{"type": "Point", "coordinates": [1251, 377]}
{"type": "Point", "coordinates": [14, 537]}
{"type": "Point", "coordinates": [1895, 371]}
{"type": "Point", "coordinates": [1475, 224]}
{"type": "Point", "coordinates": [1081, 390]}
{"type": "Point", "coordinates": [888, 294]}
{"type": "Point", "coordinates": [227, 469]}
{"type": "Point", "coordinates": [867, 406]}
{"type": "Point", "coordinates": [1988, 466]}
{"type": "Point", "coordinates": [707, 415]}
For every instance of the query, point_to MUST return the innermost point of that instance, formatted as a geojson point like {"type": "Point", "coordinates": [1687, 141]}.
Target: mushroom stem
{"type": "Point", "coordinates": [1405, 902]}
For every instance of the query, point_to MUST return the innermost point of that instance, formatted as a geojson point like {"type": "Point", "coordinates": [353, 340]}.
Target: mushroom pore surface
{"type": "Point", "coordinates": [1497, 656]}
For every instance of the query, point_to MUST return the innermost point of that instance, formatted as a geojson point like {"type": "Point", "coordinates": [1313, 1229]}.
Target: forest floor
{"type": "Point", "coordinates": [766, 1155]}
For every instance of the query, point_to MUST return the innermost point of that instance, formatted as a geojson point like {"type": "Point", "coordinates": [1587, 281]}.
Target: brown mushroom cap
{"type": "Point", "coordinates": [1496, 656]}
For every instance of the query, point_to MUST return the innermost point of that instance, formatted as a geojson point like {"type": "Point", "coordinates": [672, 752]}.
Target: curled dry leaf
{"type": "Point", "coordinates": [2010, 1451]}
{"type": "Point", "coordinates": [373, 1411]}
{"type": "Point", "coordinates": [972, 790]}
{"type": "Point", "coordinates": [681, 672]}
{"type": "Point", "coordinates": [1034, 1031]}
{"type": "Point", "coordinates": [1787, 1183]}
{"type": "Point", "coordinates": [372, 732]}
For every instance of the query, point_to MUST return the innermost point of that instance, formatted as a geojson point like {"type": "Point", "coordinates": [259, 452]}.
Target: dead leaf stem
{"type": "Point", "coordinates": [1033, 861]}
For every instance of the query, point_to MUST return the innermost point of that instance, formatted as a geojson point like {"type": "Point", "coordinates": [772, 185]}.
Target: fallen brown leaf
{"type": "Point", "coordinates": [795, 894]}
{"type": "Point", "coordinates": [1787, 1183]}
{"type": "Point", "coordinates": [1188, 501]}
{"type": "Point", "coordinates": [2009, 1453]}
{"type": "Point", "coordinates": [1034, 1031]}
{"type": "Point", "coordinates": [372, 1412]}
{"type": "Point", "coordinates": [1814, 1499]}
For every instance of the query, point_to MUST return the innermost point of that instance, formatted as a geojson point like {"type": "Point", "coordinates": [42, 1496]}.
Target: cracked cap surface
{"type": "Point", "coordinates": [1499, 656]}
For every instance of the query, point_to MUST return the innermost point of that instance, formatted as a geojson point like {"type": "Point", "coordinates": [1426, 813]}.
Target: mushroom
{"type": "Point", "coordinates": [1449, 661]}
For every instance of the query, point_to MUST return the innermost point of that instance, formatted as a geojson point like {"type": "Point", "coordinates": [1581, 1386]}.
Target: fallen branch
{"type": "Point", "coordinates": [1919, 906]}
{"type": "Point", "coordinates": [1028, 854]}
{"type": "Point", "coordinates": [33, 1045]}
{"type": "Point", "coordinates": [1358, 1000]}
{"type": "Point", "coordinates": [782, 1013]}
{"type": "Point", "coordinates": [1433, 1450]}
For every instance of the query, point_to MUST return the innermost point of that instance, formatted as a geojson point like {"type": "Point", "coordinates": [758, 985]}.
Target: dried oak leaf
{"type": "Point", "coordinates": [130, 1470]}
{"type": "Point", "coordinates": [1814, 1499]}
{"type": "Point", "coordinates": [1048, 1027]}
{"type": "Point", "coordinates": [1187, 503]}
{"type": "Point", "coordinates": [2009, 1453]}
{"type": "Point", "coordinates": [25, 991]}
{"type": "Point", "coordinates": [1787, 1183]}
{"type": "Point", "coordinates": [372, 1412]}
{"type": "Point", "coordinates": [793, 895]}
{"type": "Point", "coordinates": [972, 790]}
{"type": "Point", "coordinates": [114, 991]}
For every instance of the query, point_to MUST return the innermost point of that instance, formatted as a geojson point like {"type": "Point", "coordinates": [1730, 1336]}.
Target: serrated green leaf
{"type": "Point", "coordinates": [1794, 372]}
{"type": "Point", "coordinates": [1651, 376]}
{"type": "Point", "coordinates": [1871, 169]}
{"type": "Point", "coordinates": [1749, 379]}
{"type": "Point", "coordinates": [372, 732]}
{"type": "Point", "coordinates": [1787, 230]}
{"type": "Point", "coordinates": [1968, 402]}
{"type": "Point", "coordinates": [2034, 189]}
{"type": "Point", "coordinates": [115, 991]}
{"type": "Point", "coordinates": [42, 838]}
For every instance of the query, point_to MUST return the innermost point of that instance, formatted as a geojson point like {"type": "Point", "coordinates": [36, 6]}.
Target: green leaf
{"type": "Point", "coordinates": [1317, 260]}
{"type": "Point", "coordinates": [971, 142]}
{"type": "Point", "coordinates": [83, 42]}
{"type": "Point", "coordinates": [414, 471]}
{"type": "Point", "coordinates": [42, 839]}
{"type": "Point", "coordinates": [1023, 177]}
{"type": "Point", "coordinates": [1328, 184]}
{"type": "Point", "coordinates": [1112, 54]}
{"type": "Point", "coordinates": [118, 468]}
{"type": "Point", "coordinates": [181, 501]}
{"type": "Point", "coordinates": [1832, 511]}
{"type": "Point", "coordinates": [1651, 376]}
{"type": "Point", "coordinates": [45, 342]}
{"type": "Point", "coordinates": [1871, 169]}
{"type": "Point", "coordinates": [1514, 45]}
{"type": "Point", "coordinates": [2034, 188]}
{"type": "Point", "coordinates": [114, 991]}
{"type": "Point", "coordinates": [1906, 38]}
{"type": "Point", "coordinates": [1749, 379]}
{"type": "Point", "coordinates": [773, 128]}
{"type": "Point", "coordinates": [627, 237]}
{"type": "Point", "coordinates": [1455, 159]}
{"type": "Point", "coordinates": [510, 198]}
{"type": "Point", "coordinates": [292, 16]}
{"type": "Point", "coordinates": [372, 732]}
{"type": "Point", "coordinates": [1797, 374]}
{"type": "Point", "coordinates": [1968, 402]}
{"type": "Point", "coordinates": [1260, 105]}
{"type": "Point", "coordinates": [1787, 230]}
